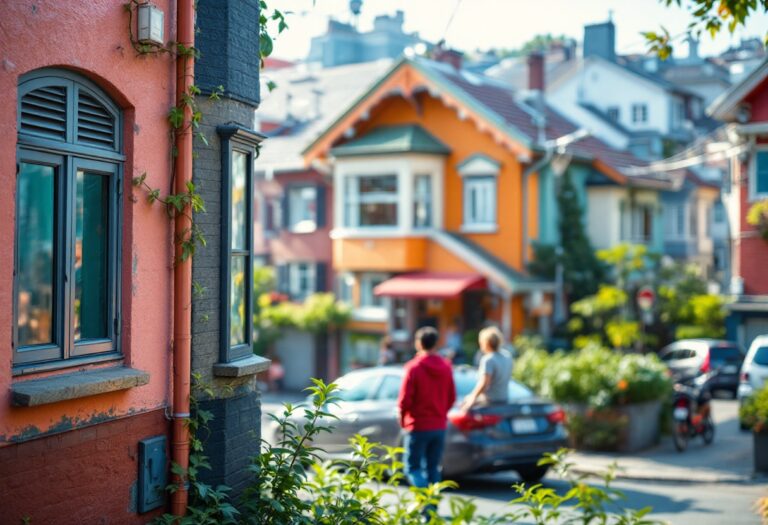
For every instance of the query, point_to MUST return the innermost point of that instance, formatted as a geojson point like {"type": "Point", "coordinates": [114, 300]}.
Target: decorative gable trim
{"type": "Point", "coordinates": [479, 164]}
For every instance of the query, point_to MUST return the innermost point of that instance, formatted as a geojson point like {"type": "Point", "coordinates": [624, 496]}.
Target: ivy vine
{"type": "Point", "coordinates": [181, 203]}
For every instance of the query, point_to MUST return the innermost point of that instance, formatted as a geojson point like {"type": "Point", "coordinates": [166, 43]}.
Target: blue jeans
{"type": "Point", "coordinates": [423, 447]}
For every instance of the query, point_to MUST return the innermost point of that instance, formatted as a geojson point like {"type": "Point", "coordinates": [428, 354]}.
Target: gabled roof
{"type": "Point", "coordinates": [623, 66]}
{"type": "Point", "coordinates": [409, 138]}
{"type": "Point", "coordinates": [724, 107]}
{"type": "Point", "coordinates": [498, 108]}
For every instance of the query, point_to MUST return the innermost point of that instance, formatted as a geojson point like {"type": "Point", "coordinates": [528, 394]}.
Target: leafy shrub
{"type": "Point", "coordinates": [292, 485]}
{"type": "Point", "coordinates": [595, 376]}
{"type": "Point", "coordinates": [758, 216]}
{"type": "Point", "coordinates": [754, 411]}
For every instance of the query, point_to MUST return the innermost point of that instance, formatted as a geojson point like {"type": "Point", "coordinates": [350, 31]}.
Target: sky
{"type": "Point", "coordinates": [484, 24]}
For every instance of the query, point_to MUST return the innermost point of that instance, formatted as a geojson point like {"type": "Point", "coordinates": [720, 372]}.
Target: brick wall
{"type": "Point", "coordinates": [229, 48]}
{"type": "Point", "coordinates": [89, 475]}
{"type": "Point", "coordinates": [235, 434]}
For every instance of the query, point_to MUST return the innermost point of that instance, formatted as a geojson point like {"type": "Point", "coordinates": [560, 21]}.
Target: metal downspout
{"type": "Point", "coordinates": [182, 273]}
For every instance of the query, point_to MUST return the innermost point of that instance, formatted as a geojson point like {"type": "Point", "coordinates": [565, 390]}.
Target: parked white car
{"type": "Point", "coordinates": [754, 370]}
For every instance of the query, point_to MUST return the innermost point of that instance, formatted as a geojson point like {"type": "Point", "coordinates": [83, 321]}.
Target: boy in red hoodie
{"type": "Point", "coordinates": [425, 397]}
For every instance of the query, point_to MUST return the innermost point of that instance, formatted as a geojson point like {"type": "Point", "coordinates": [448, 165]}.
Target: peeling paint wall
{"type": "Point", "coordinates": [91, 38]}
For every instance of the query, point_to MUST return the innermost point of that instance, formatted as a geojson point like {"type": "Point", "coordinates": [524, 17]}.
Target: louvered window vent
{"type": "Point", "coordinates": [95, 124]}
{"type": "Point", "coordinates": [44, 112]}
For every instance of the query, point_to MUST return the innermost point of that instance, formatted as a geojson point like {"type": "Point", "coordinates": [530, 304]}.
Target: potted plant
{"type": "Point", "coordinates": [754, 414]}
{"type": "Point", "coordinates": [757, 216]}
{"type": "Point", "coordinates": [613, 399]}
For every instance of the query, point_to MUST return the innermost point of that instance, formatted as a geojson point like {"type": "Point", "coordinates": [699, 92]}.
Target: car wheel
{"type": "Point", "coordinates": [532, 473]}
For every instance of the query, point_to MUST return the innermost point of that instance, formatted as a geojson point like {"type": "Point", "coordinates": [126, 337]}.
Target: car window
{"type": "Point", "coordinates": [724, 353]}
{"type": "Point", "coordinates": [761, 356]}
{"type": "Point", "coordinates": [357, 386]}
{"type": "Point", "coordinates": [389, 388]}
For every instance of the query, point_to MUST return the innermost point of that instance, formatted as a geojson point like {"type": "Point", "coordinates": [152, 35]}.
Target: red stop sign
{"type": "Point", "coordinates": [645, 298]}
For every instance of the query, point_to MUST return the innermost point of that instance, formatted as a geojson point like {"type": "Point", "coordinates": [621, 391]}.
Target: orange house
{"type": "Point", "coordinates": [434, 185]}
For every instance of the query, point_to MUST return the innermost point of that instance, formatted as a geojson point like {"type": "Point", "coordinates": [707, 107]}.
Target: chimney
{"type": "Point", "coordinates": [693, 48]}
{"type": "Point", "coordinates": [536, 71]}
{"type": "Point", "coordinates": [600, 41]}
{"type": "Point", "coordinates": [447, 56]}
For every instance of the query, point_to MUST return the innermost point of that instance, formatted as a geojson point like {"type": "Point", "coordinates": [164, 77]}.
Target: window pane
{"type": "Point", "coordinates": [239, 215]}
{"type": "Point", "coordinates": [36, 252]}
{"type": "Point", "coordinates": [422, 204]}
{"type": "Point", "coordinates": [761, 172]}
{"type": "Point", "coordinates": [303, 208]}
{"type": "Point", "coordinates": [237, 321]}
{"type": "Point", "coordinates": [378, 201]}
{"type": "Point", "coordinates": [91, 259]}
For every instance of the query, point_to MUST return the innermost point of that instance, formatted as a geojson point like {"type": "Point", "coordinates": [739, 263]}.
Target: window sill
{"type": "Point", "coordinates": [76, 385]}
{"type": "Point", "coordinates": [247, 366]}
{"type": "Point", "coordinates": [479, 228]}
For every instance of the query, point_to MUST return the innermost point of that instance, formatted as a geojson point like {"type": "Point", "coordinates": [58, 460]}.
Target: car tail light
{"type": "Point", "coordinates": [705, 365]}
{"type": "Point", "coordinates": [557, 415]}
{"type": "Point", "coordinates": [681, 403]}
{"type": "Point", "coordinates": [466, 421]}
{"type": "Point", "coordinates": [744, 377]}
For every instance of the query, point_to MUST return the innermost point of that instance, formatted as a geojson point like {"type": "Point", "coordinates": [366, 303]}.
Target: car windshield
{"type": "Point", "coordinates": [466, 380]}
{"type": "Point", "coordinates": [725, 353]}
{"type": "Point", "coordinates": [761, 356]}
{"type": "Point", "coordinates": [356, 386]}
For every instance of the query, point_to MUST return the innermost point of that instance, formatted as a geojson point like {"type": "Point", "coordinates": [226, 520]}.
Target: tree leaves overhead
{"type": "Point", "coordinates": [707, 17]}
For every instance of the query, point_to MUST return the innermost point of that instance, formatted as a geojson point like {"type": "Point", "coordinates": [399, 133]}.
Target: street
{"type": "Point", "coordinates": [679, 486]}
{"type": "Point", "coordinates": [705, 485]}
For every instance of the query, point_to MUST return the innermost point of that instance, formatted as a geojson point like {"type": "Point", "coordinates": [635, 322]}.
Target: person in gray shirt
{"type": "Point", "coordinates": [495, 370]}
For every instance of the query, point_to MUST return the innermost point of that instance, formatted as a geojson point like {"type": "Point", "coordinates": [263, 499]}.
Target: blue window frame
{"type": "Point", "coordinates": [68, 200]}
{"type": "Point", "coordinates": [239, 147]}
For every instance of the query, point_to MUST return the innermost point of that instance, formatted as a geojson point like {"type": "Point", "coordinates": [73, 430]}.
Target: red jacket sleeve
{"type": "Point", "coordinates": [405, 398]}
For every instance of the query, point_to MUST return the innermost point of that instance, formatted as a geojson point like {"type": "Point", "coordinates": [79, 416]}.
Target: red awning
{"type": "Point", "coordinates": [430, 285]}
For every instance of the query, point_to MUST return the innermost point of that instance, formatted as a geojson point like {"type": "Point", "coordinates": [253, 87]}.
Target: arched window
{"type": "Point", "coordinates": [68, 202]}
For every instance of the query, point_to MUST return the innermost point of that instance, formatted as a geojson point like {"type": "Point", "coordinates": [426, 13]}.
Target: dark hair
{"type": "Point", "coordinates": [428, 337]}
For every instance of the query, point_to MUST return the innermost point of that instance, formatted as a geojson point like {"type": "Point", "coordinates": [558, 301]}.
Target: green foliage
{"type": "Point", "coordinates": [537, 43]}
{"type": "Point", "coordinates": [291, 484]}
{"type": "Point", "coordinates": [594, 376]}
{"type": "Point", "coordinates": [685, 307]}
{"type": "Point", "coordinates": [582, 271]}
{"type": "Point", "coordinates": [757, 216]}
{"type": "Point", "coordinates": [622, 334]}
{"type": "Point", "coordinates": [707, 16]}
{"type": "Point", "coordinates": [754, 411]}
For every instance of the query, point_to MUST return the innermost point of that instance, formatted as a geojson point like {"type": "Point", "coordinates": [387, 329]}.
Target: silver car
{"type": "Point", "coordinates": [511, 436]}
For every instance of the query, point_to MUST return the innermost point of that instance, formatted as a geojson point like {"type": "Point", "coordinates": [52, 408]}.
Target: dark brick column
{"type": "Point", "coordinates": [228, 41]}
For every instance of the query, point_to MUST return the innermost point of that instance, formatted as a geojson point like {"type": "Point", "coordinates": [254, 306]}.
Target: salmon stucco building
{"type": "Point", "coordinates": [97, 346]}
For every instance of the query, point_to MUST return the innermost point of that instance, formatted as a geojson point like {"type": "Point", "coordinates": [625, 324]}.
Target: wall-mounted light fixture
{"type": "Point", "coordinates": [151, 27]}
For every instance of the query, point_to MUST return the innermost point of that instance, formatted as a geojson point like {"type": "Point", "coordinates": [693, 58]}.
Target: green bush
{"type": "Point", "coordinates": [595, 376]}
{"type": "Point", "coordinates": [292, 485]}
{"type": "Point", "coordinates": [754, 411]}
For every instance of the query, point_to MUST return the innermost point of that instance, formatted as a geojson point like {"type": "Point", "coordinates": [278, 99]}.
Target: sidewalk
{"type": "Point", "coordinates": [727, 460]}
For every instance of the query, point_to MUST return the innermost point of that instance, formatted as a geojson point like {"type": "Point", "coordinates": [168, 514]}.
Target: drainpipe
{"type": "Point", "coordinates": [533, 168]}
{"type": "Point", "coordinates": [182, 271]}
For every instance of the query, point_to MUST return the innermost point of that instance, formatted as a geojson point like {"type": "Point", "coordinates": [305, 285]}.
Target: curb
{"type": "Point", "coordinates": [656, 476]}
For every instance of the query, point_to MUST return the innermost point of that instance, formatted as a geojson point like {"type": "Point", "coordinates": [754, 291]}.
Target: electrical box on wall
{"type": "Point", "coordinates": [150, 25]}
{"type": "Point", "coordinates": [152, 473]}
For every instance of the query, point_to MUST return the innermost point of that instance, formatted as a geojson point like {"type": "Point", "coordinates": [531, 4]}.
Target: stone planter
{"type": "Point", "coordinates": [760, 449]}
{"type": "Point", "coordinates": [624, 428]}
